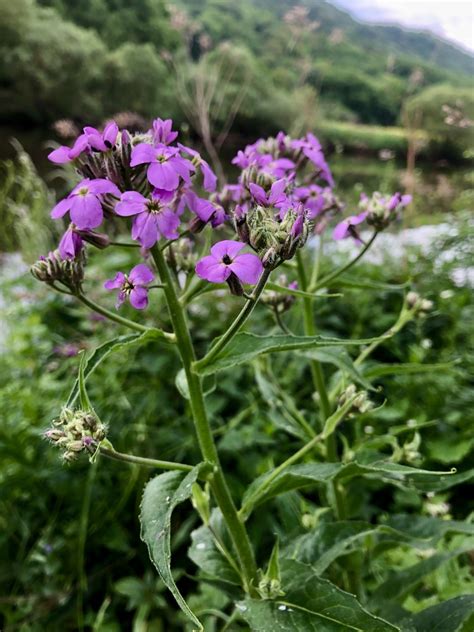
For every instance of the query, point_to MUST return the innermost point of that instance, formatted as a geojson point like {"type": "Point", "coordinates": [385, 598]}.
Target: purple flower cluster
{"type": "Point", "coordinates": [378, 211]}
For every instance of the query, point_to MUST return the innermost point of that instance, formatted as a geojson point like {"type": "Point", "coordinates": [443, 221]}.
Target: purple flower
{"type": "Point", "coordinates": [205, 210]}
{"type": "Point", "coordinates": [312, 199]}
{"type": "Point", "coordinates": [84, 203]}
{"type": "Point", "coordinates": [71, 244]}
{"type": "Point", "coordinates": [398, 200]}
{"type": "Point", "coordinates": [162, 132]}
{"type": "Point", "coordinates": [132, 286]}
{"type": "Point", "coordinates": [209, 177]}
{"type": "Point", "coordinates": [346, 228]}
{"type": "Point", "coordinates": [276, 197]}
{"type": "Point", "coordinates": [165, 165]}
{"type": "Point", "coordinates": [153, 217]}
{"type": "Point", "coordinates": [225, 260]}
{"type": "Point", "coordinates": [91, 139]}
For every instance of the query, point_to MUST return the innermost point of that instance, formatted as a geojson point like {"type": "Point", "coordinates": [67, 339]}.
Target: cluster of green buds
{"type": "Point", "coordinates": [417, 305]}
{"type": "Point", "coordinates": [279, 301]}
{"type": "Point", "coordinates": [53, 269]}
{"type": "Point", "coordinates": [76, 431]}
{"type": "Point", "coordinates": [269, 584]}
{"type": "Point", "coordinates": [361, 402]}
{"type": "Point", "coordinates": [382, 210]}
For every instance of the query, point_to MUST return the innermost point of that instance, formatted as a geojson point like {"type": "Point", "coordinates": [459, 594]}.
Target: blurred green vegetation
{"type": "Point", "coordinates": [288, 64]}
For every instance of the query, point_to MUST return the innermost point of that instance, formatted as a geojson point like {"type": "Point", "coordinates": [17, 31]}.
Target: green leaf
{"type": "Point", "coordinates": [83, 396]}
{"type": "Point", "coordinates": [245, 347]}
{"type": "Point", "coordinates": [100, 354]}
{"type": "Point", "coordinates": [286, 290]}
{"type": "Point", "coordinates": [162, 494]}
{"type": "Point", "coordinates": [310, 604]}
{"type": "Point", "coordinates": [454, 615]}
{"type": "Point", "coordinates": [205, 553]}
{"type": "Point", "coordinates": [335, 419]}
{"type": "Point", "coordinates": [182, 384]}
{"type": "Point", "coordinates": [407, 369]}
{"type": "Point", "coordinates": [369, 285]}
{"type": "Point", "coordinates": [400, 583]}
{"type": "Point", "coordinates": [299, 476]}
{"type": "Point", "coordinates": [341, 359]}
{"type": "Point", "coordinates": [329, 540]}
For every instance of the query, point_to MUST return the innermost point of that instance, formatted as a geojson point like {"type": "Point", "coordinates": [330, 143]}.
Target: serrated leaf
{"type": "Point", "coordinates": [454, 615]}
{"type": "Point", "coordinates": [300, 476]}
{"type": "Point", "coordinates": [162, 494]}
{"type": "Point", "coordinates": [310, 604]}
{"type": "Point", "coordinates": [100, 354]}
{"type": "Point", "coordinates": [244, 347]}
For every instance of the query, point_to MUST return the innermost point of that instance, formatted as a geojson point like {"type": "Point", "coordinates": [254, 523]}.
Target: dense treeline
{"type": "Point", "coordinates": [257, 66]}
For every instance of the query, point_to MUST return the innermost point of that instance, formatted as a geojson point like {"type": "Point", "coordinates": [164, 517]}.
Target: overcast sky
{"type": "Point", "coordinates": [452, 19]}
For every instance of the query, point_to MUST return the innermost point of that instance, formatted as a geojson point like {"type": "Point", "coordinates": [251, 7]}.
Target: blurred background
{"type": "Point", "coordinates": [393, 106]}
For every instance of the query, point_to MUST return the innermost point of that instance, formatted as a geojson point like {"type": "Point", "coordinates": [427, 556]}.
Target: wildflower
{"type": "Point", "coordinates": [346, 228]}
{"type": "Point", "coordinates": [132, 286]}
{"type": "Point", "coordinates": [153, 217]}
{"type": "Point", "coordinates": [312, 198]}
{"type": "Point", "coordinates": [90, 139]}
{"type": "Point", "coordinates": [54, 269]}
{"type": "Point", "coordinates": [72, 241]}
{"type": "Point", "coordinates": [76, 431]}
{"type": "Point", "coordinates": [225, 261]}
{"type": "Point", "coordinates": [165, 165]}
{"type": "Point", "coordinates": [209, 177]}
{"type": "Point", "coordinates": [84, 203]}
{"type": "Point", "coordinates": [276, 196]}
{"type": "Point", "coordinates": [162, 132]}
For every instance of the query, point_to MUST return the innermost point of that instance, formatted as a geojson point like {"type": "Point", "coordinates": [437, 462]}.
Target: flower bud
{"type": "Point", "coordinates": [76, 431]}
{"type": "Point", "coordinates": [54, 269]}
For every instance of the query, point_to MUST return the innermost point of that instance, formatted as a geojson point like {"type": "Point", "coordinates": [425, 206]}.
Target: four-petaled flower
{"type": "Point", "coordinates": [90, 139]}
{"type": "Point", "coordinates": [165, 165]}
{"type": "Point", "coordinates": [276, 197]}
{"type": "Point", "coordinates": [346, 228]}
{"type": "Point", "coordinates": [84, 203]}
{"type": "Point", "coordinates": [132, 286]}
{"type": "Point", "coordinates": [153, 216]}
{"type": "Point", "coordinates": [225, 260]}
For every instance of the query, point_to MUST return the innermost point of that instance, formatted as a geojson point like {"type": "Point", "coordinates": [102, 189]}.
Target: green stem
{"type": "Point", "coordinates": [141, 460]}
{"type": "Point", "coordinates": [238, 322]}
{"type": "Point", "coordinates": [247, 507]}
{"type": "Point", "coordinates": [208, 448]}
{"type": "Point", "coordinates": [330, 277]}
{"type": "Point", "coordinates": [320, 386]}
{"type": "Point", "coordinates": [119, 319]}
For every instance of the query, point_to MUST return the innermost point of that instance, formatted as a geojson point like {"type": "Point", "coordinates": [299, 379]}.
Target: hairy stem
{"type": "Point", "coordinates": [141, 460]}
{"type": "Point", "coordinates": [218, 483]}
{"type": "Point", "coordinates": [236, 325]}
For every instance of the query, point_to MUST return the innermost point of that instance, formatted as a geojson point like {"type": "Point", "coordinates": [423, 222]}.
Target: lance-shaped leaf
{"type": "Point", "coordinates": [162, 494]}
{"type": "Point", "coordinates": [407, 369]}
{"type": "Point", "coordinates": [310, 474]}
{"type": "Point", "coordinates": [311, 604]}
{"type": "Point", "coordinates": [245, 347]}
{"type": "Point", "coordinates": [454, 615]}
{"type": "Point", "coordinates": [342, 360]}
{"type": "Point", "coordinates": [100, 354]}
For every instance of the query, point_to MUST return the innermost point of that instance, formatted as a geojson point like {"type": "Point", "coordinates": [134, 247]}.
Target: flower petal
{"type": "Point", "coordinates": [163, 176]}
{"type": "Point", "coordinates": [341, 231]}
{"type": "Point", "coordinates": [86, 211]}
{"type": "Point", "coordinates": [116, 282]}
{"type": "Point", "coordinates": [247, 268]}
{"type": "Point", "coordinates": [210, 178]}
{"type": "Point", "coordinates": [110, 134]}
{"type": "Point", "coordinates": [70, 245]}
{"type": "Point", "coordinates": [145, 229]}
{"type": "Point", "coordinates": [168, 223]}
{"type": "Point", "coordinates": [61, 155]}
{"type": "Point", "coordinates": [61, 208]}
{"type": "Point", "coordinates": [142, 154]}
{"type": "Point", "coordinates": [131, 203]}
{"type": "Point", "coordinates": [139, 297]}
{"type": "Point", "coordinates": [227, 247]}
{"type": "Point", "coordinates": [212, 270]}
{"type": "Point", "coordinates": [141, 275]}
{"type": "Point", "coordinates": [100, 186]}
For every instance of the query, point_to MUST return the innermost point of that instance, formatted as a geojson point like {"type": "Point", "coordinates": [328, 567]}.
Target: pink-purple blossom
{"type": "Point", "coordinates": [162, 132]}
{"type": "Point", "coordinates": [276, 196]}
{"type": "Point", "coordinates": [225, 260]}
{"type": "Point", "coordinates": [90, 139]}
{"type": "Point", "coordinates": [209, 177]}
{"type": "Point", "coordinates": [346, 228]}
{"type": "Point", "coordinates": [84, 203]}
{"type": "Point", "coordinates": [153, 216]}
{"type": "Point", "coordinates": [132, 286]}
{"type": "Point", "coordinates": [166, 167]}
{"type": "Point", "coordinates": [71, 244]}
